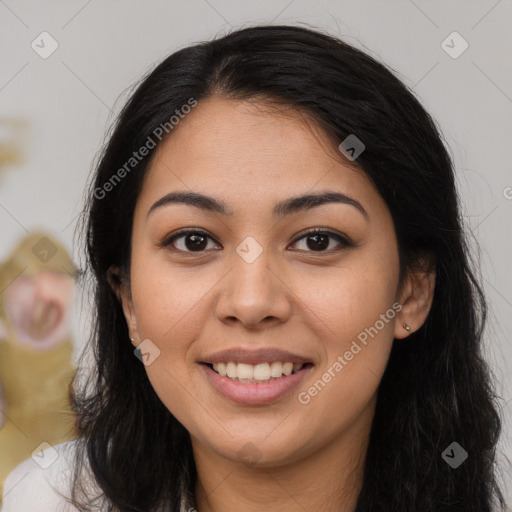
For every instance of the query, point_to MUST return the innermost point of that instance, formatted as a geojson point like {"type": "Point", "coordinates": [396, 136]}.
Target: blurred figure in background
{"type": "Point", "coordinates": [37, 284]}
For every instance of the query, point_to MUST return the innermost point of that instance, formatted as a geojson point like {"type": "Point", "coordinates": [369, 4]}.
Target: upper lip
{"type": "Point", "coordinates": [248, 356]}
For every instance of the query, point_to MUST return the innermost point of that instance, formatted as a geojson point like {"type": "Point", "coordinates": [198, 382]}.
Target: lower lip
{"type": "Point", "coordinates": [249, 393]}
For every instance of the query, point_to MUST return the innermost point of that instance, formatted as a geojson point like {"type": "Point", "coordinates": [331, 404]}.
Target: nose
{"type": "Point", "coordinates": [255, 294]}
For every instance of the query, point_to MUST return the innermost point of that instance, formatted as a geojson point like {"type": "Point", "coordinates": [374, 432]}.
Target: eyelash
{"type": "Point", "coordinates": [344, 242]}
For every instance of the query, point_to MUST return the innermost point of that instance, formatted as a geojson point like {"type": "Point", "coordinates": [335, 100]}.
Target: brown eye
{"type": "Point", "coordinates": [189, 241]}
{"type": "Point", "coordinates": [195, 241]}
{"type": "Point", "coordinates": [320, 241]}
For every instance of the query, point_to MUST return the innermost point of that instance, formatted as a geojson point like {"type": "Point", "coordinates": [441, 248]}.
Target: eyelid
{"type": "Point", "coordinates": [333, 233]}
{"type": "Point", "coordinates": [168, 240]}
{"type": "Point", "coordinates": [343, 240]}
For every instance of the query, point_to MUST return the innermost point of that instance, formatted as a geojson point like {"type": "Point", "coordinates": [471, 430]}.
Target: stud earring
{"type": "Point", "coordinates": [407, 328]}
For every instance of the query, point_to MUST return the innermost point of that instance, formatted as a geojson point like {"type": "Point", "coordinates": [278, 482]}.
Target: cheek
{"type": "Point", "coordinates": [168, 306]}
{"type": "Point", "coordinates": [354, 310]}
{"type": "Point", "coordinates": [351, 296]}
{"type": "Point", "coordinates": [168, 302]}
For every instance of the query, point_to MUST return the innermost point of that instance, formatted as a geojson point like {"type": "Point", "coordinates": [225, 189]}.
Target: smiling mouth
{"type": "Point", "coordinates": [258, 373]}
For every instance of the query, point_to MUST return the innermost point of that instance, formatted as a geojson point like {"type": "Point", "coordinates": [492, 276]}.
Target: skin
{"type": "Point", "coordinates": [294, 296]}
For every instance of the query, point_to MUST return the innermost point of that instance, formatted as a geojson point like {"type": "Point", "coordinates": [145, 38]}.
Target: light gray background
{"type": "Point", "coordinates": [68, 100]}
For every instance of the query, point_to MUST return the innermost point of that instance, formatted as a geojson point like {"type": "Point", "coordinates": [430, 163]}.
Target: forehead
{"type": "Point", "coordinates": [239, 148]}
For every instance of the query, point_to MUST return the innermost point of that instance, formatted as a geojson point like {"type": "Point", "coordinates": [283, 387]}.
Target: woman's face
{"type": "Point", "coordinates": [255, 289]}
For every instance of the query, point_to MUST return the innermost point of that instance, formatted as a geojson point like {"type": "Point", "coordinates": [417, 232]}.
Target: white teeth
{"type": "Point", "coordinates": [287, 368]}
{"type": "Point", "coordinates": [231, 370]}
{"type": "Point", "coordinates": [245, 371]}
{"type": "Point", "coordinates": [276, 369]}
{"type": "Point", "coordinates": [221, 368]}
{"type": "Point", "coordinates": [256, 373]}
{"type": "Point", "coordinates": [262, 371]}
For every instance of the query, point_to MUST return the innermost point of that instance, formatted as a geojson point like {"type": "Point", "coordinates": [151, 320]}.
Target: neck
{"type": "Point", "coordinates": [330, 478]}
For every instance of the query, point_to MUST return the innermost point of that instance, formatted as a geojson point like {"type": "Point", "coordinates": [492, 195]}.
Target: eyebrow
{"type": "Point", "coordinates": [282, 209]}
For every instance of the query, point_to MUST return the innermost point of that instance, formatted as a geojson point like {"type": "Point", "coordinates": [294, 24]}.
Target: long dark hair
{"type": "Point", "coordinates": [436, 389]}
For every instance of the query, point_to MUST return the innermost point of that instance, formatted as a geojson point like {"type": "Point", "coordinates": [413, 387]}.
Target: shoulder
{"type": "Point", "coordinates": [41, 482]}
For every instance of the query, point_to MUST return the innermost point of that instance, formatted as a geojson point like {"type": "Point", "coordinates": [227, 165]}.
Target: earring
{"type": "Point", "coordinates": [132, 340]}
{"type": "Point", "coordinates": [407, 328]}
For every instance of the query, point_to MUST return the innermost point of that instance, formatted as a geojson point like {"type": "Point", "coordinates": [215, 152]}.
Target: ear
{"type": "Point", "coordinates": [416, 296]}
{"type": "Point", "coordinates": [121, 288]}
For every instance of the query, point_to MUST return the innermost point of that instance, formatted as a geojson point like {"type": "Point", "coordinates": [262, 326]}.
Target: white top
{"type": "Point", "coordinates": [34, 484]}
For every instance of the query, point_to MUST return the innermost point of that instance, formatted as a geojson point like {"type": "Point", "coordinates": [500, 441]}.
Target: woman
{"type": "Point", "coordinates": [274, 225]}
